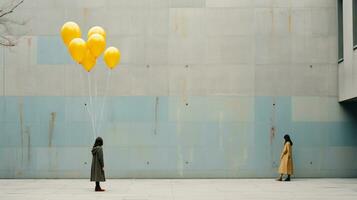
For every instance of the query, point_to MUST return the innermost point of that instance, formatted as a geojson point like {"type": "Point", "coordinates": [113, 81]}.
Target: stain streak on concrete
{"type": "Point", "coordinates": [289, 21]}
{"type": "Point", "coordinates": [29, 42]}
{"type": "Point", "coordinates": [51, 128]}
{"type": "Point", "coordinates": [156, 114]}
{"type": "Point", "coordinates": [180, 25]}
{"type": "Point", "coordinates": [85, 14]}
{"type": "Point", "coordinates": [21, 118]}
{"type": "Point", "coordinates": [272, 20]}
{"type": "Point", "coordinates": [272, 130]}
{"type": "Point", "coordinates": [184, 91]}
{"type": "Point", "coordinates": [28, 135]}
{"type": "Point", "coordinates": [272, 123]}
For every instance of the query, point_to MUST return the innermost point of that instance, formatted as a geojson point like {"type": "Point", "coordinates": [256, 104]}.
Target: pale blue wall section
{"type": "Point", "coordinates": [272, 121]}
{"type": "Point", "coordinates": [52, 51]}
{"type": "Point", "coordinates": [149, 136]}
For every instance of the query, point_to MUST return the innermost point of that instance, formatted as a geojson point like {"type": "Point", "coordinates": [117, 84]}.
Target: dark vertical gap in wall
{"type": "Point", "coordinates": [3, 72]}
{"type": "Point", "coordinates": [354, 10]}
{"type": "Point", "coordinates": [350, 108]}
{"type": "Point", "coordinates": [340, 29]}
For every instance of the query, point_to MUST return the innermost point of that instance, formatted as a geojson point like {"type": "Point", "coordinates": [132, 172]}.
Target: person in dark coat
{"type": "Point", "coordinates": [97, 169]}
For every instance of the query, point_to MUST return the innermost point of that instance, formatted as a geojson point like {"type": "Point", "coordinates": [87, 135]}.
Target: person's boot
{"type": "Point", "coordinates": [280, 178]}
{"type": "Point", "coordinates": [288, 178]}
{"type": "Point", "coordinates": [99, 189]}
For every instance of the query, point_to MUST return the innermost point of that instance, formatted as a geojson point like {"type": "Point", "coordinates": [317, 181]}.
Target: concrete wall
{"type": "Point", "coordinates": [348, 68]}
{"type": "Point", "coordinates": [206, 88]}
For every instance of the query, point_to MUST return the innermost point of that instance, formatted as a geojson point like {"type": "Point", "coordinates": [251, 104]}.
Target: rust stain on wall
{"type": "Point", "coordinates": [28, 135]}
{"type": "Point", "coordinates": [272, 122]}
{"type": "Point", "coordinates": [272, 131]}
{"type": "Point", "coordinates": [272, 20]}
{"type": "Point", "coordinates": [29, 42]}
{"type": "Point", "coordinates": [184, 91]}
{"type": "Point", "coordinates": [180, 25]}
{"type": "Point", "coordinates": [289, 22]}
{"type": "Point", "coordinates": [85, 12]}
{"type": "Point", "coordinates": [51, 128]}
{"type": "Point", "coordinates": [29, 55]}
{"type": "Point", "coordinates": [272, 134]}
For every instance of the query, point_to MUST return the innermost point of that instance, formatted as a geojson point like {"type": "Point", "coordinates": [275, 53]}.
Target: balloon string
{"type": "Point", "coordinates": [95, 101]}
{"type": "Point", "coordinates": [104, 100]}
{"type": "Point", "coordinates": [91, 104]}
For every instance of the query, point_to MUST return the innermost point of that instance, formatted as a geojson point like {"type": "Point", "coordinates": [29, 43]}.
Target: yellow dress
{"type": "Point", "coordinates": [286, 160]}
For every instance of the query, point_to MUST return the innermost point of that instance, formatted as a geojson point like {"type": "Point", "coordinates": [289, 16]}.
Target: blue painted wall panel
{"type": "Point", "coordinates": [145, 137]}
{"type": "Point", "coordinates": [52, 51]}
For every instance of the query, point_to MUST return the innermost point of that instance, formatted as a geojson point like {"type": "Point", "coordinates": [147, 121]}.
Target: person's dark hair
{"type": "Point", "coordinates": [98, 142]}
{"type": "Point", "coordinates": [287, 139]}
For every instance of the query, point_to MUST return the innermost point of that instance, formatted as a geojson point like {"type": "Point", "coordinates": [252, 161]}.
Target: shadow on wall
{"type": "Point", "coordinates": [350, 108]}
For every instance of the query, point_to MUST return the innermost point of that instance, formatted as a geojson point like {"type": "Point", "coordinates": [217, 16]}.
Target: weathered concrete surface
{"type": "Point", "coordinates": [211, 136]}
{"type": "Point", "coordinates": [229, 189]}
{"type": "Point", "coordinates": [347, 73]}
{"type": "Point", "coordinates": [206, 88]}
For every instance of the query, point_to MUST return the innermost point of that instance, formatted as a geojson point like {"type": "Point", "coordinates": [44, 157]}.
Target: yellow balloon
{"type": "Point", "coordinates": [88, 61]}
{"type": "Point", "coordinates": [112, 57]}
{"type": "Point", "coordinates": [77, 48]}
{"type": "Point", "coordinates": [96, 29]}
{"type": "Point", "coordinates": [69, 31]}
{"type": "Point", "coordinates": [96, 44]}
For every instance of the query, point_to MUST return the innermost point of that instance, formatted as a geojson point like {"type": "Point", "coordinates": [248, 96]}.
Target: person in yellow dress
{"type": "Point", "coordinates": [286, 160]}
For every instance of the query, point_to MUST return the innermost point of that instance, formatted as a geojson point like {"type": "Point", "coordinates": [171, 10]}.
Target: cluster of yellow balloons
{"type": "Point", "coordinates": [86, 53]}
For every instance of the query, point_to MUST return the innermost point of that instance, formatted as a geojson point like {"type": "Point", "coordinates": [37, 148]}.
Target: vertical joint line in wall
{"type": "Point", "coordinates": [21, 116]}
{"type": "Point", "coordinates": [28, 135]}
{"type": "Point", "coordinates": [156, 114]}
{"type": "Point", "coordinates": [3, 71]}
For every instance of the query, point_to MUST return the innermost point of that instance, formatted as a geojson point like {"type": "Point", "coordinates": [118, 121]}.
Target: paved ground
{"type": "Point", "coordinates": [186, 189]}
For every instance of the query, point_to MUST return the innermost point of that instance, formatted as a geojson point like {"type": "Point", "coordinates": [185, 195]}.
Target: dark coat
{"type": "Point", "coordinates": [97, 172]}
